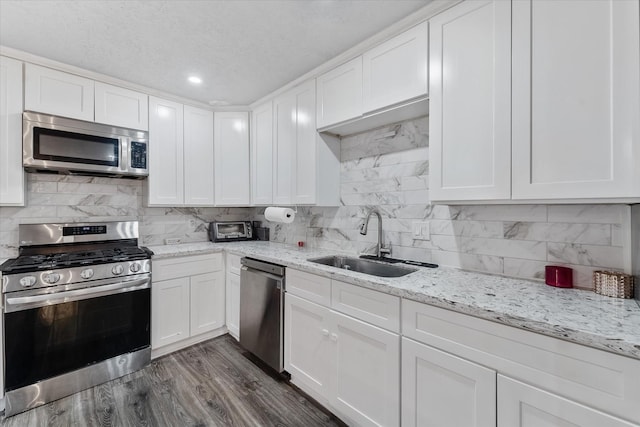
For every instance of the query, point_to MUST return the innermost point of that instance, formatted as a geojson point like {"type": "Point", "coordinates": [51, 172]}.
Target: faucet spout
{"type": "Point", "coordinates": [380, 249]}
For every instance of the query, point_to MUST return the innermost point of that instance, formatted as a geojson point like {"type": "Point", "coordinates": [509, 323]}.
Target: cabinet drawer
{"type": "Point", "coordinates": [371, 306]}
{"type": "Point", "coordinates": [233, 264]}
{"type": "Point", "coordinates": [185, 266]}
{"type": "Point", "coordinates": [309, 286]}
{"type": "Point", "coordinates": [599, 379]}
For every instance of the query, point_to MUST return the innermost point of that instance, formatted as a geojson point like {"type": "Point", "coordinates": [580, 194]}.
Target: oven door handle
{"type": "Point", "coordinates": [35, 301]}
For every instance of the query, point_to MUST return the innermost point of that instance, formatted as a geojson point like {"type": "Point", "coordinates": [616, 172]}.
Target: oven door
{"type": "Point", "coordinates": [52, 334]}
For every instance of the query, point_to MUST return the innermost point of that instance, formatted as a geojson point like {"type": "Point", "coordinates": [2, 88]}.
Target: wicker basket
{"type": "Point", "coordinates": [613, 284]}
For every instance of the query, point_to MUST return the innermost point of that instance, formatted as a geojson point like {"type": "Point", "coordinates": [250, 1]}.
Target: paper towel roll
{"type": "Point", "coordinates": [285, 215]}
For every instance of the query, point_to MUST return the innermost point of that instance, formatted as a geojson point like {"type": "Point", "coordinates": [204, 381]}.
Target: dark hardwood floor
{"type": "Point", "coordinates": [209, 384]}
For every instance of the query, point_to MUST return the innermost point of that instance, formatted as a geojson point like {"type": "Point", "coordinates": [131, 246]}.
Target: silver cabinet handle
{"type": "Point", "coordinates": [22, 303]}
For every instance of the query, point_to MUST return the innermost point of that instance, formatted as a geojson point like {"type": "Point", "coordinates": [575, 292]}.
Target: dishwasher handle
{"type": "Point", "coordinates": [278, 279]}
{"type": "Point", "coordinates": [263, 266]}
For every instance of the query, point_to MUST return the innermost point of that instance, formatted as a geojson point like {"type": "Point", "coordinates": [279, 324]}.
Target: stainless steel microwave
{"type": "Point", "coordinates": [57, 144]}
{"type": "Point", "coordinates": [230, 231]}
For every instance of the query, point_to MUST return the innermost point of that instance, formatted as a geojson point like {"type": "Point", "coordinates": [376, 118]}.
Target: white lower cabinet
{"type": "Point", "coordinates": [522, 405]}
{"type": "Point", "coordinates": [207, 303]}
{"type": "Point", "coordinates": [348, 365]}
{"type": "Point", "coordinates": [170, 311]}
{"type": "Point", "coordinates": [187, 302]}
{"type": "Point", "coordinates": [439, 389]}
{"type": "Point", "coordinates": [366, 374]}
{"type": "Point", "coordinates": [307, 346]}
{"type": "Point", "coordinates": [455, 369]}
{"type": "Point", "coordinates": [233, 295]}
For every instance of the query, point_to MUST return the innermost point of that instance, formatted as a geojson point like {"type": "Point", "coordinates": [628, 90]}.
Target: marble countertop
{"type": "Point", "coordinates": [574, 315]}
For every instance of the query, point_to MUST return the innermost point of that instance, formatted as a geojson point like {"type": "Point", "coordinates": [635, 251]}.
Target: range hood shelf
{"type": "Point", "coordinates": [416, 107]}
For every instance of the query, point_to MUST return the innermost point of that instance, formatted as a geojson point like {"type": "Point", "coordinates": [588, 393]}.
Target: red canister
{"type": "Point", "coordinates": [558, 276]}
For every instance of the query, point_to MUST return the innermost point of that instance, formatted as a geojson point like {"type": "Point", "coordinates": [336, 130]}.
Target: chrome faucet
{"type": "Point", "coordinates": [381, 250]}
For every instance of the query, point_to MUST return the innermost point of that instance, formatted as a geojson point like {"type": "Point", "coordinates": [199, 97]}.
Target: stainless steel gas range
{"type": "Point", "coordinates": [77, 304]}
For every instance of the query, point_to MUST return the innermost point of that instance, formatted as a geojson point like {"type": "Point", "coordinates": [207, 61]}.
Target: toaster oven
{"type": "Point", "coordinates": [230, 231]}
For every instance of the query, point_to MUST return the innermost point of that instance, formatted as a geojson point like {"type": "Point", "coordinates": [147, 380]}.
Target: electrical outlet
{"type": "Point", "coordinates": [172, 241]}
{"type": "Point", "coordinates": [420, 230]}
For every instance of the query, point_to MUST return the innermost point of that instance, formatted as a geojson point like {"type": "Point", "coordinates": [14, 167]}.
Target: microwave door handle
{"type": "Point", "coordinates": [35, 301]}
{"type": "Point", "coordinates": [125, 147]}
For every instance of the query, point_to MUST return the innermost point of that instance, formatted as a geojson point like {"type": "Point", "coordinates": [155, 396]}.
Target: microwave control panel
{"type": "Point", "coordinates": [138, 155]}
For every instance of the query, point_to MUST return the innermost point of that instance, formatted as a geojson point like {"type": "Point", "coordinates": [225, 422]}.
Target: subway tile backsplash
{"type": "Point", "coordinates": [391, 174]}
{"type": "Point", "coordinates": [514, 240]}
{"type": "Point", "coordinates": [64, 198]}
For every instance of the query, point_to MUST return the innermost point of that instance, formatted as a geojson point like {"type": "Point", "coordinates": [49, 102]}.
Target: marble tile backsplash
{"type": "Point", "coordinates": [391, 174]}
{"type": "Point", "coordinates": [63, 198]}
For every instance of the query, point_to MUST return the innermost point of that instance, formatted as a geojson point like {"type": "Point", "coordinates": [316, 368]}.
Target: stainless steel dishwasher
{"type": "Point", "coordinates": [262, 310]}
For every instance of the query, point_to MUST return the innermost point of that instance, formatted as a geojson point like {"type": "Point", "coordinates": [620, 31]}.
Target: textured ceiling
{"type": "Point", "coordinates": [242, 50]}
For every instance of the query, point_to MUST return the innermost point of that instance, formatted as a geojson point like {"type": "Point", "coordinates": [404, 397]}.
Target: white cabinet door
{"type": "Point", "coordinates": [166, 145]}
{"type": "Point", "coordinates": [521, 405]}
{"type": "Point", "coordinates": [284, 147]}
{"type": "Point", "coordinates": [54, 92]}
{"type": "Point", "coordinates": [231, 154]}
{"type": "Point", "coordinates": [439, 389]}
{"type": "Point", "coordinates": [169, 311]}
{"type": "Point", "coordinates": [198, 157]}
{"type": "Point", "coordinates": [306, 143]}
{"type": "Point", "coordinates": [470, 102]}
{"type": "Point", "coordinates": [576, 99]}
{"type": "Point", "coordinates": [2, 359]}
{"type": "Point", "coordinates": [233, 304]}
{"type": "Point", "coordinates": [207, 303]}
{"type": "Point", "coordinates": [366, 377]}
{"type": "Point", "coordinates": [121, 107]}
{"type": "Point", "coordinates": [339, 94]}
{"type": "Point", "coordinates": [11, 173]}
{"type": "Point", "coordinates": [396, 70]}
{"type": "Point", "coordinates": [262, 155]}
{"type": "Point", "coordinates": [307, 350]}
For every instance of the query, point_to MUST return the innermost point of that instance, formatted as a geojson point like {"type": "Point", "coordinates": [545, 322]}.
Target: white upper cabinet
{"type": "Point", "coordinates": [284, 145]}
{"type": "Point", "coordinates": [566, 89]}
{"type": "Point", "coordinates": [54, 92]}
{"type": "Point", "coordinates": [180, 155]}
{"type": "Point", "coordinates": [576, 99]}
{"type": "Point", "coordinates": [339, 94]}
{"type": "Point", "coordinates": [231, 154]}
{"type": "Point", "coordinates": [166, 153]}
{"type": "Point", "coordinates": [262, 154]}
{"type": "Point", "coordinates": [396, 70]}
{"type": "Point", "coordinates": [301, 154]}
{"type": "Point", "coordinates": [121, 107]}
{"type": "Point", "coordinates": [11, 172]}
{"type": "Point", "coordinates": [306, 140]}
{"type": "Point", "coordinates": [67, 95]}
{"type": "Point", "coordinates": [470, 102]}
{"type": "Point", "coordinates": [198, 157]}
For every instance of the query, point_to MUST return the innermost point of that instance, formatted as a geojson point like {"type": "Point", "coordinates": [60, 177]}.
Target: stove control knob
{"type": "Point", "coordinates": [117, 270]}
{"type": "Point", "coordinates": [87, 273]}
{"type": "Point", "coordinates": [135, 267]}
{"type": "Point", "coordinates": [28, 281]}
{"type": "Point", "coordinates": [51, 278]}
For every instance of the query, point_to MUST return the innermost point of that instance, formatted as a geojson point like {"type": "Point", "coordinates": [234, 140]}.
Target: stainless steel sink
{"type": "Point", "coordinates": [373, 268]}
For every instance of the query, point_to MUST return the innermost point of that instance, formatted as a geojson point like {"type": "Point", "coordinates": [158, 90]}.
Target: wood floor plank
{"type": "Point", "coordinates": [209, 384]}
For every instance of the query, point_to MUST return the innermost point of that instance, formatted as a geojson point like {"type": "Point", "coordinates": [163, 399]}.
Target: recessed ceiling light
{"type": "Point", "coordinates": [195, 80]}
